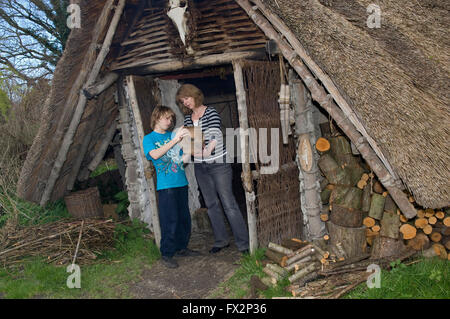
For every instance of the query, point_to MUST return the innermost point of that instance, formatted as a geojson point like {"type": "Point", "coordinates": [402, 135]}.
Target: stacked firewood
{"type": "Point", "coordinates": [296, 260]}
{"type": "Point", "coordinates": [429, 231]}
{"type": "Point", "coordinates": [363, 217]}
{"type": "Point", "coordinates": [346, 192]}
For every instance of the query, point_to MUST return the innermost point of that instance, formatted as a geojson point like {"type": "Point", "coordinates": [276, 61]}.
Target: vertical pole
{"type": "Point", "coordinates": [245, 156]}
{"type": "Point", "coordinates": [148, 171]}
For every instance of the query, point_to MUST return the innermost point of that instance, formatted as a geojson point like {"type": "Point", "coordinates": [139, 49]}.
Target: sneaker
{"type": "Point", "coordinates": [217, 249]}
{"type": "Point", "coordinates": [169, 262]}
{"type": "Point", "coordinates": [187, 253]}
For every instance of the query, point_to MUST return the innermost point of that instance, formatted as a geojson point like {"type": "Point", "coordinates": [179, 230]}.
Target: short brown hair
{"type": "Point", "coordinates": [189, 90]}
{"type": "Point", "coordinates": [159, 112]}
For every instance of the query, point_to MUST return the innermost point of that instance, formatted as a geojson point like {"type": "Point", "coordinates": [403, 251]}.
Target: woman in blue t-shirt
{"type": "Point", "coordinates": [161, 147]}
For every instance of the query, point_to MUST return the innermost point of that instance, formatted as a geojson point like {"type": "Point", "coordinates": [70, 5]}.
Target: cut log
{"type": "Point", "coordinates": [275, 256]}
{"type": "Point", "coordinates": [324, 217]}
{"type": "Point", "coordinates": [269, 281]}
{"type": "Point", "coordinates": [300, 251]}
{"type": "Point", "coordinates": [275, 268]}
{"type": "Point", "coordinates": [361, 184]}
{"type": "Point", "coordinates": [339, 146]}
{"type": "Point", "coordinates": [419, 242]}
{"type": "Point", "coordinates": [322, 145]}
{"type": "Point", "coordinates": [308, 252]}
{"type": "Point", "coordinates": [390, 224]}
{"type": "Point", "coordinates": [429, 253]}
{"type": "Point", "coordinates": [338, 194]}
{"type": "Point", "coordinates": [325, 196]}
{"type": "Point", "coordinates": [353, 239]}
{"type": "Point", "coordinates": [436, 237]}
{"type": "Point", "coordinates": [389, 205]}
{"type": "Point", "coordinates": [369, 222]}
{"type": "Point", "coordinates": [420, 213]}
{"type": "Point", "coordinates": [403, 219]}
{"type": "Point", "coordinates": [440, 251]}
{"type": "Point", "coordinates": [447, 221]}
{"type": "Point", "coordinates": [376, 228]}
{"type": "Point", "coordinates": [421, 222]}
{"type": "Point", "coordinates": [293, 244]}
{"type": "Point", "coordinates": [347, 217]}
{"type": "Point", "coordinates": [408, 231]}
{"type": "Point", "coordinates": [377, 206]}
{"type": "Point", "coordinates": [366, 199]}
{"type": "Point", "coordinates": [446, 242]}
{"type": "Point", "coordinates": [378, 188]}
{"type": "Point", "coordinates": [280, 249]}
{"type": "Point", "coordinates": [303, 272]}
{"type": "Point", "coordinates": [429, 212]}
{"type": "Point", "coordinates": [439, 215]}
{"type": "Point", "coordinates": [386, 247]}
{"type": "Point", "coordinates": [332, 171]}
{"type": "Point", "coordinates": [299, 264]}
{"type": "Point", "coordinates": [428, 229]}
{"type": "Point", "coordinates": [275, 276]}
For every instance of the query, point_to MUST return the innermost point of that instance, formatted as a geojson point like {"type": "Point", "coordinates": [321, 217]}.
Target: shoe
{"type": "Point", "coordinates": [169, 262]}
{"type": "Point", "coordinates": [217, 249]}
{"type": "Point", "coordinates": [187, 253]}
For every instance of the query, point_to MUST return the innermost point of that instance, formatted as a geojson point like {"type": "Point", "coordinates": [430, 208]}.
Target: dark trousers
{"type": "Point", "coordinates": [174, 220]}
{"type": "Point", "coordinates": [215, 182]}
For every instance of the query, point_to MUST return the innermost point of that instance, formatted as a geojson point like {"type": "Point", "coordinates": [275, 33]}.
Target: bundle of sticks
{"type": "Point", "coordinates": [59, 242]}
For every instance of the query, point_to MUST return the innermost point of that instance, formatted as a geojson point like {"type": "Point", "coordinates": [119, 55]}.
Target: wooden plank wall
{"type": "Point", "coordinates": [222, 27]}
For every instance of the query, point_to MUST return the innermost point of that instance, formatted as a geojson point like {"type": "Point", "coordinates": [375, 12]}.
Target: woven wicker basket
{"type": "Point", "coordinates": [85, 203]}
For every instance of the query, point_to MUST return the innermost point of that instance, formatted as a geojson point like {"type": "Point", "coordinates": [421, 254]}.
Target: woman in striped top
{"type": "Point", "coordinates": [213, 174]}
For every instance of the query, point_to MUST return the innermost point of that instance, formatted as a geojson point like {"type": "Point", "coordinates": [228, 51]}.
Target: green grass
{"type": "Point", "coordinates": [426, 279]}
{"type": "Point", "coordinates": [110, 277]}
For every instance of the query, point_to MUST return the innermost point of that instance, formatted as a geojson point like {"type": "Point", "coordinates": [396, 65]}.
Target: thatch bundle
{"type": "Point", "coordinates": [394, 77]}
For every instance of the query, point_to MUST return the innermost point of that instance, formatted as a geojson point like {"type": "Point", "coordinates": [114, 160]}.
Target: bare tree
{"type": "Point", "coordinates": [32, 37]}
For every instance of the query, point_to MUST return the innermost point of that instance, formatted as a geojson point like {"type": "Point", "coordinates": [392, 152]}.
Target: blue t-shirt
{"type": "Point", "coordinates": [169, 167]}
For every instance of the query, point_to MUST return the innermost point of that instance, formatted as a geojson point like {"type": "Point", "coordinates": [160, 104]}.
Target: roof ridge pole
{"type": "Point", "coordinates": [325, 100]}
{"type": "Point", "coordinates": [79, 110]}
{"type": "Point", "coordinates": [324, 78]}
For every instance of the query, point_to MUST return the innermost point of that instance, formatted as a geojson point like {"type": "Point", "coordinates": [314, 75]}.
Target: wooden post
{"type": "Point", "coordinates": [318, 93]}
{"type": "Point", "coordinates": [79, 110]}
{"type": "Point", "coordinates": [307, 163]}
{"type": "Point", "coordinates": [147, 167]}
{"type": "Point", "coordinates": [245, 155]}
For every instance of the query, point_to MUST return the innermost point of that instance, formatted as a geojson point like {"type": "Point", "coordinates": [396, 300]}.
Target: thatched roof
{"type": "Point", "coordinates": [396, 78]}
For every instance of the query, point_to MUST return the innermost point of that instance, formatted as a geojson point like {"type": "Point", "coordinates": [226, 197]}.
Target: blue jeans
{"type": "Point", "coordinates": [174, 220]}
{"type": "Point", "coordinates": [215, 182]}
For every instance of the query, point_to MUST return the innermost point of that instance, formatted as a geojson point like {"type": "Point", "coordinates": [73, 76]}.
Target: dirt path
{"type": "Point", "coordinates": [196, 277]}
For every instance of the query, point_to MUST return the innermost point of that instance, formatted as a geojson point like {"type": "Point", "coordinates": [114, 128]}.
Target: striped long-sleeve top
{"type": "Point", "coordinates": [210, 124]}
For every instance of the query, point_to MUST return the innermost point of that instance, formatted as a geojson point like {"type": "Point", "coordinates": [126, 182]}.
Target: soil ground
{"type": "Point", "coordinates": [196, 277]}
